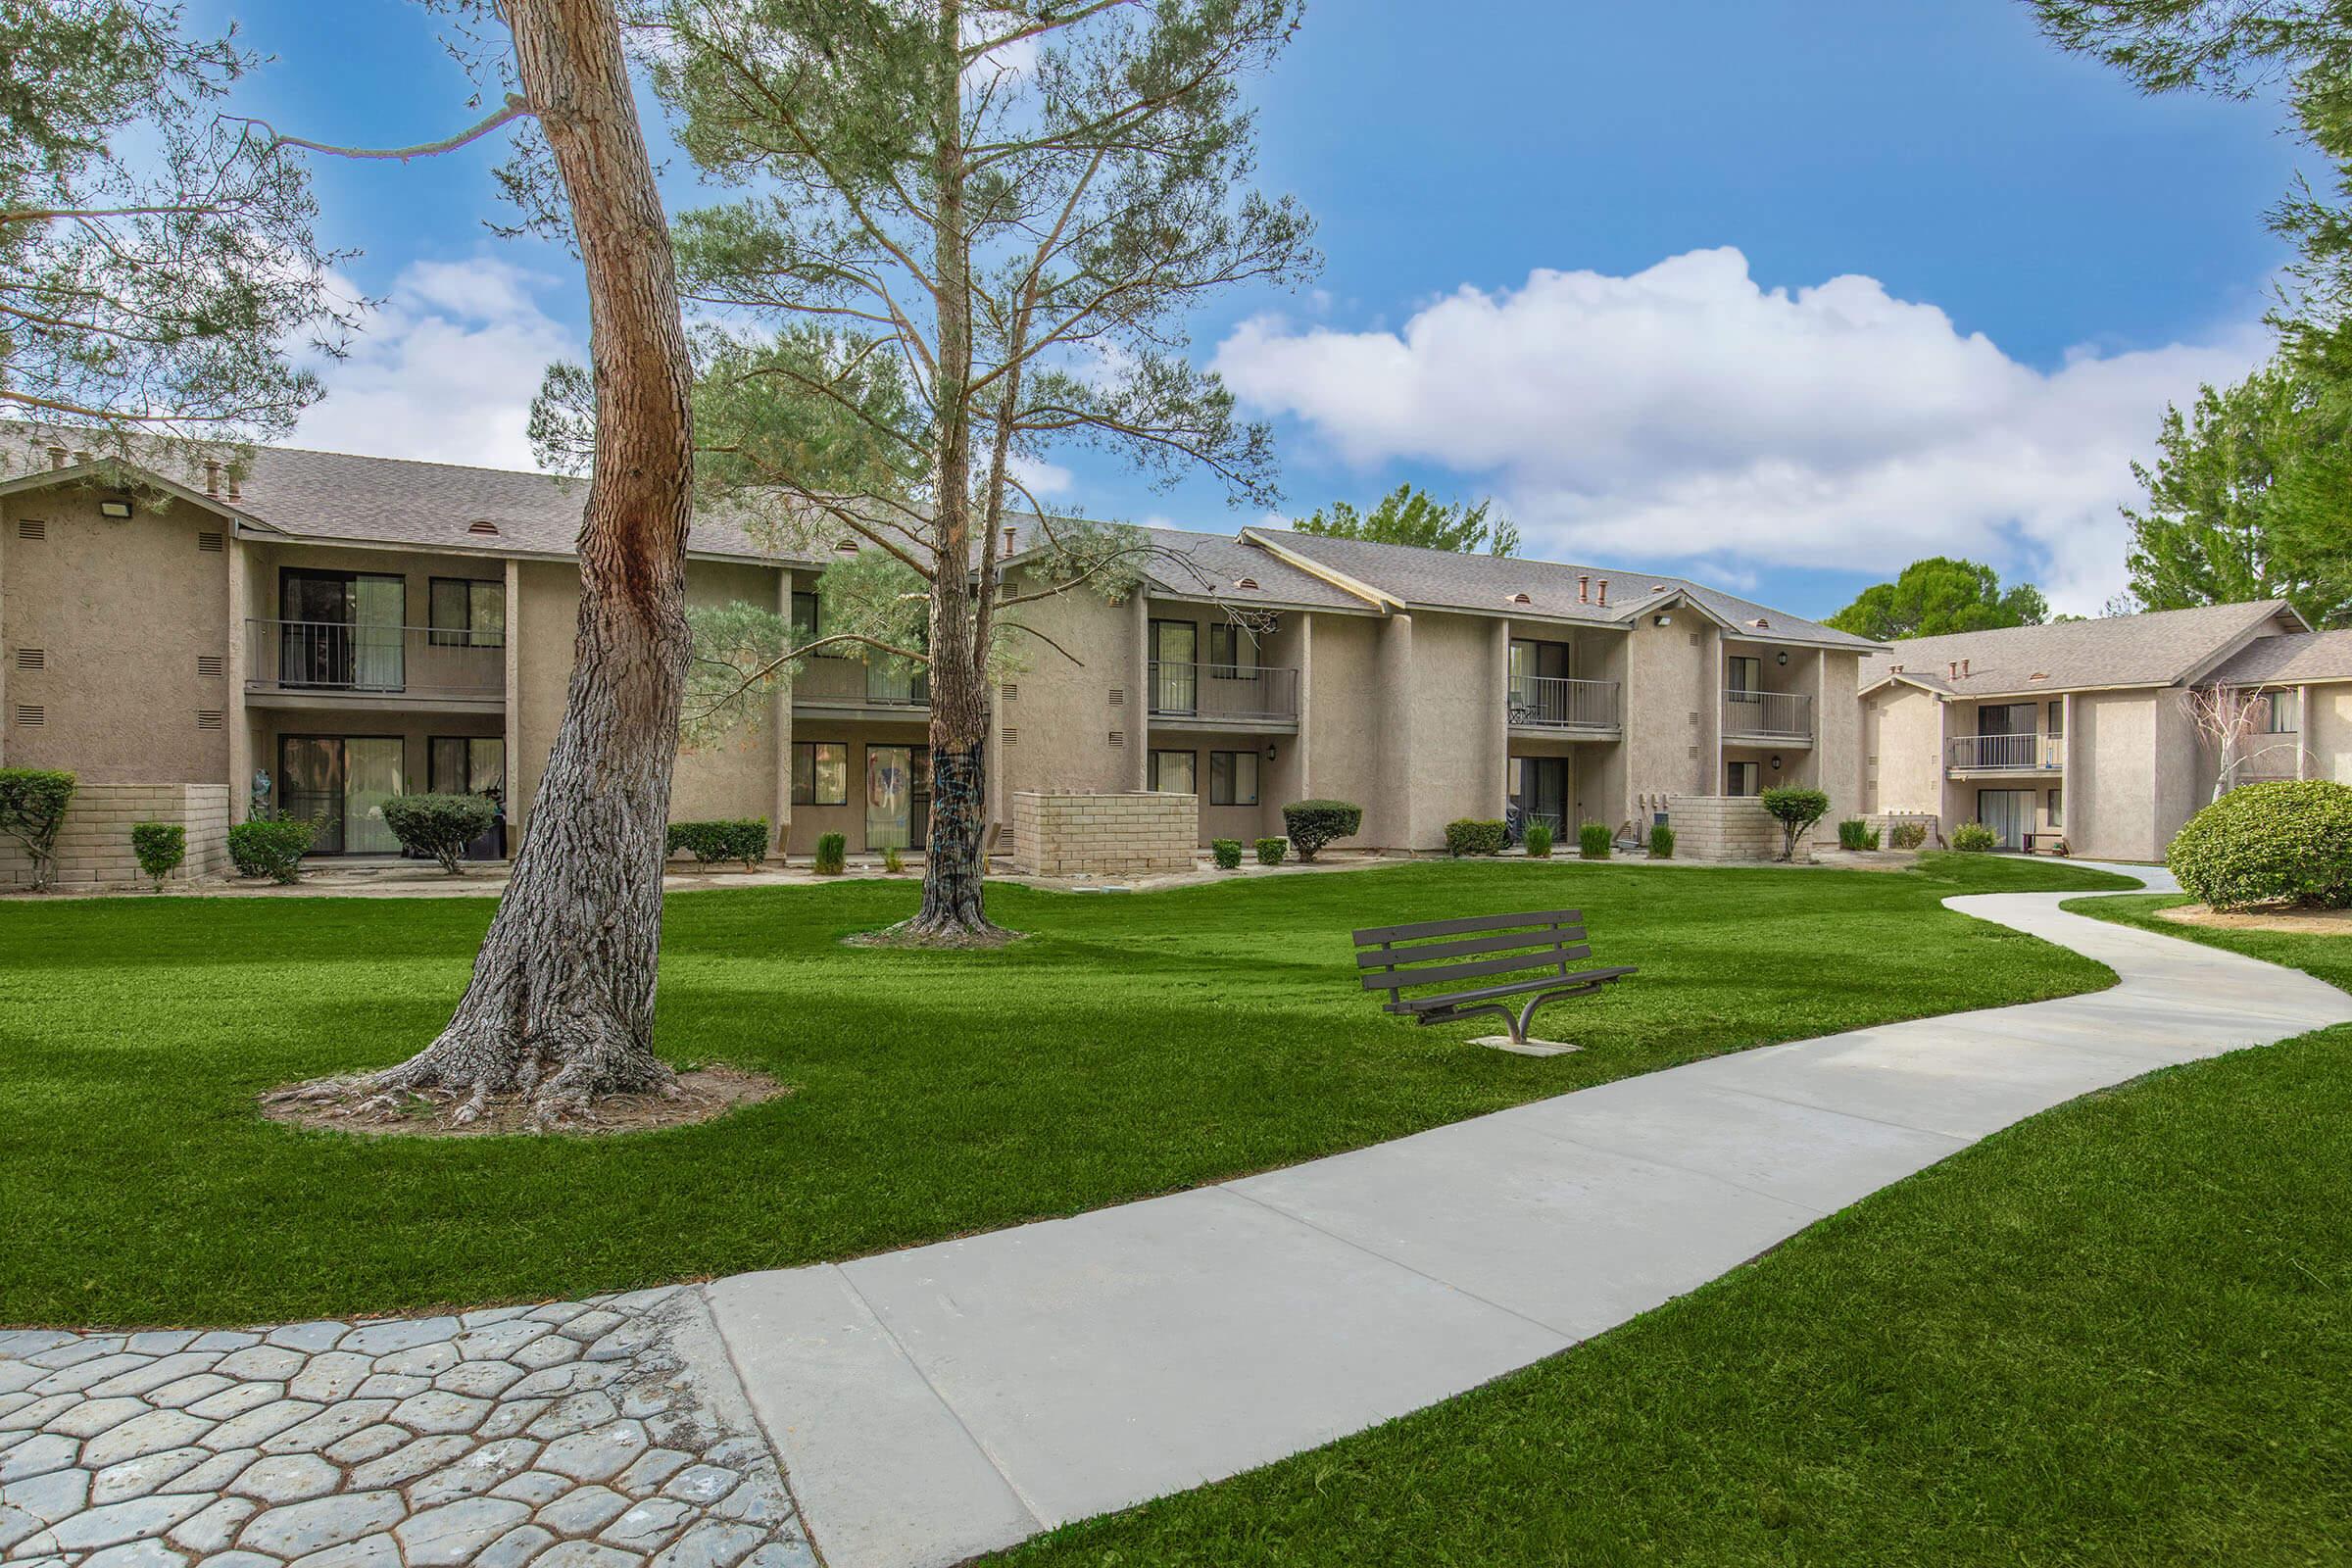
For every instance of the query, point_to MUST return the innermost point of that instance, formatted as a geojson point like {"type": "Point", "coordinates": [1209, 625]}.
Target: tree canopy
{"type": "Point", "coordinates": [1940, 595]}
{"type": "Point", "coordinates": [156, 256]}
{"type": "Point", "coordinates": [1410, 516]}
{"type": "Point", "coordinates": [2246, 500]}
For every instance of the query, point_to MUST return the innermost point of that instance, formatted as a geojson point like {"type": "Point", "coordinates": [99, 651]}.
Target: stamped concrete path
{"type": "Point", "coordinates": [933, 1403]}
{"type": "Point", "coordinates": [938, 1402]}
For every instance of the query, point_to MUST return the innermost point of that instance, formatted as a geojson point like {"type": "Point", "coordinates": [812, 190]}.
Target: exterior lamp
{"type": "Point", "coordinates": [1661, 620]}
{"type": "Point", "coordinates": [1775, 764]}
{"type": "Point", "coordinates": [113, 508]}
{"type": "Point", "coordinates": [1784, 658]}
{"type": "Point", "coordinates": [1269, 751]}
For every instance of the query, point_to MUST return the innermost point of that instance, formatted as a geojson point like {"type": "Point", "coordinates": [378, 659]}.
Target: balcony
{"type": "Point", "coordinates": [1223, 696]}
{"type": "Point", "coordinates": [1778, 717]}
{"type": "Point", "coordinates": [1556, 702]}
{"type": "Point", "coordinates": [2027, 752]}
{"type": "Point", "coordinates": [851, 684]}
{"type": "Point", "coordinates": [307, 663]}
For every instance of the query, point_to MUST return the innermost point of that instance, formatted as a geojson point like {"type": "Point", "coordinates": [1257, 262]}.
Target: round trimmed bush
{"type": "Point", "coordinates": [1311, 824]}
{"type": "Point", "coordinates": [2289, 840]}
{"type": "Point", "coordinates": [1974, 838]}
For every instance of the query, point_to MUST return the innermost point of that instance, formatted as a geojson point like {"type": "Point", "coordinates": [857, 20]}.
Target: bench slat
{"type": "Point", "coordinates": [1461, 927]}
{"type": "Point", "coordinates": [1430, 951]}
{"type": "Point", "coordinates": [1448, 974]}
{"type": "Point", "coordinates": [1516, 988]}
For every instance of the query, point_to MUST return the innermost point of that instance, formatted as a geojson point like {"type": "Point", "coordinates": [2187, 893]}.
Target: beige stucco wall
{"type": "Point", "coordinates": [1458, 720]}
{"type": "Point", "coordinates": [1348, 721]}
{"type": "Point", "coordinates": [1902, 739]}
{"type": "Point", "coordinates": [1672, 691]}
{"type": "Point", "coordinates": [2184, 771]}
{"type": "Point", "coordinates": [121, 612]}
{"type": "Point", "coordinates": [1055, 726]}
{"type": "Point", "coordinates": [2328, 732]}
{"type": "Point", "coordinates": [2111, 806]}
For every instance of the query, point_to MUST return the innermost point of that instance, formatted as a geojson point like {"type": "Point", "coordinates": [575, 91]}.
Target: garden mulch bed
{"type": "Point", "coordinates": [2300, 921]}
{"type": "Point", "coordinates": [704, 1092]}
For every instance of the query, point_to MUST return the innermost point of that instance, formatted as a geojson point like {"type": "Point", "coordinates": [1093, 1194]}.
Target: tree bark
{"type": "Point", "coordinates": [561, 1002]}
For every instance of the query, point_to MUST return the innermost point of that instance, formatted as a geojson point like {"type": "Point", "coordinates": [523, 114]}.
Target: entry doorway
{"type": "Point", "coordinates": [339, 784]}
{"type": "Point", "coordinates": [2009, 813]}
{"type": "Point", "coordinates": [897, 796]}
{"type": "Point", "coordinates": [1539, 793]}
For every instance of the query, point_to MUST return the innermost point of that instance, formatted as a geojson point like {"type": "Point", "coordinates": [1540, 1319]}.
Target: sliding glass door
{"type": "Point", "coordinates": [897, 796]}
{"type": "Point", "coordinates": [343, 629]}
{"type": "Point", "coordinates": [339, 784]}
{"type": "Point", "coordinates": [2009, 813]}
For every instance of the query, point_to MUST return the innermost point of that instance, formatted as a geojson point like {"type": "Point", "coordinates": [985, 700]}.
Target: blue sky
{"type": "Point", "coordinates": [1780, 292]}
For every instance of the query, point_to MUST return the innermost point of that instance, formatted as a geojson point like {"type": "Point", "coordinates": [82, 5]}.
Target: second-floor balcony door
{"type": "Point", "coordinates": [342, 630]}
{"type": "Point", "coordinates": [2005, 736]}
{"type": "Point", "coordinates": [1175, 667]}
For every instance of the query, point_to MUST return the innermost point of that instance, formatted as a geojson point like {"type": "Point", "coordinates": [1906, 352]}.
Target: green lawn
{"type": "Point", "coordinates": [1134, 1045]}
{"type": "Point", "coordinates": [2118, 1333]}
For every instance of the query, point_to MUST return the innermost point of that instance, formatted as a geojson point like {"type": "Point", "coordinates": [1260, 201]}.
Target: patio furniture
{"type": "Point", "coordinates": [1535, 954]}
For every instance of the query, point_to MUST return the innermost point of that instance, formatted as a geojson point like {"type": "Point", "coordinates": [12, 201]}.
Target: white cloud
{"type": "Point", "coordinates": [446, 367]}
{"type": "Point", "coordinates": [1048, 481]}
{"type": "Point", "coordinates": [1686, 412]}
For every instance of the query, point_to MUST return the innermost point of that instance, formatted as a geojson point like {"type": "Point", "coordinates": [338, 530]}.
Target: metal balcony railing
{"type": "Point", "coordinates": [1554, 701]}
{"type": "Point", "coordinates": [854, 684]}
{"type": "Point", "coordinates": [1767, 716]}
{"type": "Point", "coordinates": [336, 657]}
{"type": "Point", "coordinates": [1253, 692]}
{"type": "Point", "coordinates": [2025, 752]}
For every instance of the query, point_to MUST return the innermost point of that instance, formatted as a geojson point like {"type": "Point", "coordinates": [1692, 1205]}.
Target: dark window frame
{"type": "Point", "coordinates": [810, 747]}
{"type": "Point", "coordinates": [1192, 757]}
{"type": "Point", "coordinates": [1231, 794]}
{"type": "Point", "coordinates": [432, 774]}
{"type": "Point", "coordinates": [466, 636]}
{"type": "Point", "coordinates": [1228, 664]}
{"type": "Point", "coordinates": [2056, 806]}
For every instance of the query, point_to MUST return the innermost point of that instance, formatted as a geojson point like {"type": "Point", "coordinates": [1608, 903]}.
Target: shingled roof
{"type": "Point", "coordinates": [1444, 579]}
{"type": "Point", "coordinates": [2159, 649]}
{"type": "Point", "coordinates": [2289, 660]}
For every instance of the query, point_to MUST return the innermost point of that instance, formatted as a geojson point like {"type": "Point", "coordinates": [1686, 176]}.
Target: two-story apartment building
{"type": "Point", "coordinates": [326, 630]}
{"type": "Point", "coordinates": [2081, 730]}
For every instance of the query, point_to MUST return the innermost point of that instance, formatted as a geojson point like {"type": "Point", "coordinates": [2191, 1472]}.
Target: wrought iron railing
{"type": "Point", "coordinates": [1223, 691]}
{"type": "Point", "coordinates": [1767, 716]}
{"type": "Point", "coordinates": [328, 655]}
{"type": "Point", "coordinates": [1554, 701]}
{"type": "Point", "coordinates": [2024, 752]}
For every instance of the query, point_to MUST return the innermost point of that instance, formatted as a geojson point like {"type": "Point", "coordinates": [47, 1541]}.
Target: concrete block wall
{"type": "Point", "coordinates": [93, 847]}
{"type": "Point", "coordinates": [1724, 827]}
{"type": "Point", "coordinates": [1128, 833]}
{"type": "Point", "coordinates": [1884, 822]}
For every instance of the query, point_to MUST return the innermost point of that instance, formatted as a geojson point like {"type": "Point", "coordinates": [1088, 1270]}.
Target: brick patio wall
{"type": "Point", "coordinates": [1726, 828]}
{"type": "Point", "coordinates": [93, 847]}
{"type": "Point", "coordinates": [1070, 833]}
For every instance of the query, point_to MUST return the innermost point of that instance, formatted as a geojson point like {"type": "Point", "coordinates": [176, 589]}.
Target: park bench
{"type": "Point", "coordinates": [1532, 956]}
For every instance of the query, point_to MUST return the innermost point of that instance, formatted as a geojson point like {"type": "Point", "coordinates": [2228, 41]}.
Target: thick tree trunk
{"type": "Point", "coordinates": [561, 1002]}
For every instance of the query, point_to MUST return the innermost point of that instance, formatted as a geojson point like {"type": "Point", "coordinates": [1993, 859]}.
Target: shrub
{"type": "Point", "coordinates": [1907, 835]}
{"type": "Point", "coordinates": [159, 848]}
{"type": "Point", "coordinates": [1539, 839]}
{"type": "Point", "coordinates": [1228, 854]}
{"type": "Point", "coordinates": [2286, 841]}
{"type": "Point", "coordinates": [1661, 841]}
{"type": "Point", "coordinates": [1592, 841]}
{"type": "Point", "coordinates": [739, 840]}
{"type": "Point", "coordinates": [1311, 824]}
{"type": "Point", "coordinates": [893, 862]}
{"type": "Point", "coordinates": [1471, 835]}
{"type": "Point", "coordinates": [32, 808]}
{"type": "Point", "coordinates": [270, 847]}
{"type": "Point", "coordinates": [1974, 838]}
{"type": "Point", "coordinates": [1271, 851]}
{"type": "Point", "coordinates": [1854, 834]}
{"type": "Point", "coordinates": [832, 854]}
{"type": "Point", "coordinates": [1795, 808]}
{"type": "Point", "coordinates": [439, 826]}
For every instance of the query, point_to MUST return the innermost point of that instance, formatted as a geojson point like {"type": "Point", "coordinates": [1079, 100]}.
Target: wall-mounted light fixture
{"type": "Point", "coordinates": [1661, 620]}
{"type": "Point", "coordinates": [113, 508]}
{"type": "Point", "coordinates": [1775, 764]}
{"type": "Point", "coordinates": [1269, 751]}
{"type": "Point", "coordinates": [1784, 658]}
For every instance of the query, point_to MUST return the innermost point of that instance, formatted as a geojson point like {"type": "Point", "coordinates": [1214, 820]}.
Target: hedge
{"type": "Point", "coordinates": [439, 826]}
{"type": "Point", "coordinates": [1228, 854]}
{"type": "Point", "coordinates": [32, 808]}
{"type": "Point", "coordinates": [270, 847]}
{"type": "Point", "coordinates": [2289, 840]}
{"type": "Point", "coordinates": [1271, 851]}
{"type": "Point", "coordinates": [742, 839]}
{"type": "Point", "coordinates": [159, 848]}
{"type": "Point", "coordinates": [1472, 835]}
{"type": "Point", "coordinates": [1311, 824]}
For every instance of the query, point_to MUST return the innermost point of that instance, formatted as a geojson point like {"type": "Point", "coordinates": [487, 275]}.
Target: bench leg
{"type": "Point", "coordinates": [1524, 1017]}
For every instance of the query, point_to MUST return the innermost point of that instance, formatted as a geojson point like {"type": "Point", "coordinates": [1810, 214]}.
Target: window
{"type": "Point", "coordinates": [1175, 678]}
{"type": "Point", "coordinates": [820, 773]}
{"type": "Point", "coordinates": [1740, 778]}
{"type": "Point", "coordinates": [1173, 774]}
{"type": "Point", "coordinates": [465, 613]}
{"type": "Point", "coordinates": [1233, 778]}
{"type": "Point", "coordinates": [465, 764]}
{"type": "Point", "coordinates": [2057, 809]}
{"type": "Point", "coordinates": [1232, 653]}
{"type": "Point", "coordinates": [2284, 713]}
{"type": "Point", "coordinates": [1746, 676]}
{"type": "Point", "coordinates": [2057, 725]}
{"type": "Point", "coordinates": [808, 624]}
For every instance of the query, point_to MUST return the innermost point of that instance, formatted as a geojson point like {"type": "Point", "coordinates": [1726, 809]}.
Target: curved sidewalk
{"type": "Point", "coordinates": [946, 1400]}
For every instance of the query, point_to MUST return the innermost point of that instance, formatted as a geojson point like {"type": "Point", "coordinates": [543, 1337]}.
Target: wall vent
{"type": "Point", "coordinates": [1695, 718]}
{"type": "Point", "coordinates": [210, 718]}
{"type": "Point", "coordinates": [1118, 737]}
{"type": "Point", "coordinates": [1694, 639]}
{"type": "Point", "coordinates": [482, 526]}
{"type": "Point", "coordinates": [1012, 737]}
{"type": "Point", "coordinates": [1012, 691]}
{"type": "Point", "coordinates": [210, 542]}
{"type": "Point", "coordinates": [1694, 754]}
{"type": "Point", "coordinates": [31, 528]}
{"type": "Point", "coordinates": [33, 659]}
{"type": "Point", "coordinates": [31, 716]}
{"type": "Point", "coordinates": [1118, 697]}
{"type": "Point", "coordinates": [210, 665]}
{"type": "Point", "coordinates": [1244, 582]}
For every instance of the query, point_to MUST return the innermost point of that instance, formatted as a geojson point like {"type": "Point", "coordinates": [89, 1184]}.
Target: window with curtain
{"type": "Point", "coordinates": [1173, 773]}
{"type": "Point", "coordinates": [2284, 714]}
{"type": "Point", "coordinates": [1232, 652]}
{"type": "Point", "coordinates": [2057, 809]}
{"type": "Point", "coordinates": [1740, 778]}
{"type": "Point", "coordinates": [2057, 724]}
{"type": "Point", "coordinates": [466, 613]}
{"type": "Point", "coordinates": [1233, 778]}
{"type": "Point", "coordinates": [1745, 676]}
{"type": "Point", "coordinates": [467, 764]}
{"type": "Point", "coordinates": [820, 773]}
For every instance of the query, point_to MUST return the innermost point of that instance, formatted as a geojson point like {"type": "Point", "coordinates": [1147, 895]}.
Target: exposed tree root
{"type": "Point", "coordinates": [359, 1105]}
{"type": "Point", "coordinates": [937, 934]}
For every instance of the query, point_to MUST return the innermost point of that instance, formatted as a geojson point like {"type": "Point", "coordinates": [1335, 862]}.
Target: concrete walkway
{"type": "Point", "coordinates": [934, 1403]}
